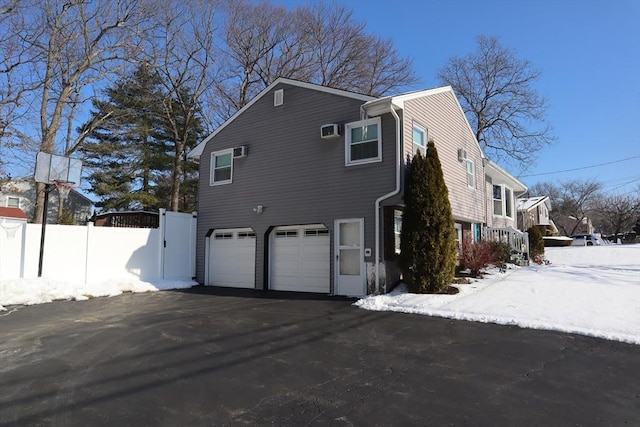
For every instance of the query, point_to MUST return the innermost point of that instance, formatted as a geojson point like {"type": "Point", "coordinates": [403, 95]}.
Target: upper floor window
{"type": "Point", "coordinates": [471, 173]}
{"type": "Point", "coordinates": [221, 167]}
{"type": "Point", "coordinates": [363, 142]}
{"type": "Point", "coordinates": [502, 201]}
{"type": "Point", "coordinates": [13, 202]}
{"type": "Point", "coordinates": [419, 139]}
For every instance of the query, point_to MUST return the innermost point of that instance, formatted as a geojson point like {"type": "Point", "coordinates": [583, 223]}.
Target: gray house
{"type": "Point", "coordinates": [21, 193]}
{"type": "Point", "coordinates": [301, 190]}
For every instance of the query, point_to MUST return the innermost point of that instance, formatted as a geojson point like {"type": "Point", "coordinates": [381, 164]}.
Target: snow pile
{"type": "Point", "coordinates": [591, 290]}
{"type": "Point", "coordinates": [38, 291]}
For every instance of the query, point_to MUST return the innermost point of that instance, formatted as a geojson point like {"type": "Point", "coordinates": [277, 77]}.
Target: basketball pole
{"type": "Point", "coordinates": [47, 190]}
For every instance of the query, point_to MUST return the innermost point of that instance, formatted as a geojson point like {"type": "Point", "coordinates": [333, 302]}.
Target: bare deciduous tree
{"type": "Point", "coordinates": [498, 96]}
{"type": "Point", "coordinates": [573, 203]}
{"type": "Point", "coordinates": [616, 213]}
{"type": "Point", "coordinates": [182, 51]}
{"type": "Point", "coordinates": [64, 49]}
{"type": "Point", "coordinates": [319, 43]}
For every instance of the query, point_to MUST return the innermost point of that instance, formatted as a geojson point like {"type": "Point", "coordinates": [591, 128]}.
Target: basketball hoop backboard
{"type": "Point", "coordinates": [51, 168]}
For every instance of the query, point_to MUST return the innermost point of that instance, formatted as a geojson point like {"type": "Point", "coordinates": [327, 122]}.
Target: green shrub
{"type": "Point", "coordinates": [502, 252]}
{"type": "Point", "coordinates": [428, 252]}
{"type": "Point", "coordinates": [66, 217]}
{"type": "Point", "coordinates": [536, 242]}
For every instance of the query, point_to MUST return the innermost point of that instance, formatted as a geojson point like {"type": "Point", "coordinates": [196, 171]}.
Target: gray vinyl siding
{"type": "Point", "coordinates": [295, 175]}
{"type": "Point", "coordinates": [448, 128]}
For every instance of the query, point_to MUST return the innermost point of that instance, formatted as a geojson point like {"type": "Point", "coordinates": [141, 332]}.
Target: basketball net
{"type": "Point", "coordinates": [63, 188]}
{"type": "Point", "coordinates": [10, 230]}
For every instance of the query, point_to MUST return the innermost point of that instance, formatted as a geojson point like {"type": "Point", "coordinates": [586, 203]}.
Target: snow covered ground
{"type": "Point", "coordinates": [586, 290]}
{"type": "Point", "coordinates": [43, 290]}
{"type": "Point", "coordinates": [592, 290]}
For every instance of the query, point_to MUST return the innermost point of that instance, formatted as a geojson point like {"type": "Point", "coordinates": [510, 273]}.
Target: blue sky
{"type": "Point", "coordinates": [589, 54]}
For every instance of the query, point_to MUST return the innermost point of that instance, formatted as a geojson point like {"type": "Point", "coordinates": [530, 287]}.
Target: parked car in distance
{"type": "Point", "coordinates": [585, 240]}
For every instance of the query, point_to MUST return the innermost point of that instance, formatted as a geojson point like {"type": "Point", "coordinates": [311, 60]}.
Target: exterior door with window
{"type": "Point", "coordinates": [349, 242]}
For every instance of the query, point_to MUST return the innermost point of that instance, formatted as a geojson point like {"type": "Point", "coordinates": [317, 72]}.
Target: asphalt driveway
{"type": "Point", "coordinates": [230, 357]}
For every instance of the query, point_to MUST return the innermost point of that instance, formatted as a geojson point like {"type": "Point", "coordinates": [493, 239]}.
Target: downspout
{"type": "Point", "coordinates": [387, 196]}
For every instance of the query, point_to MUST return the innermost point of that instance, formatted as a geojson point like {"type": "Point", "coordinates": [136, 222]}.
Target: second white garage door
{"type": "Point", "coordinates": [232, 258]}
{"type": "Point", "coordinates": [300, 259]}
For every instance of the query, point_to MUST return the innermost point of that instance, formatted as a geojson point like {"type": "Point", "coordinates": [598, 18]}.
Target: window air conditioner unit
{"type": "Point", "coordinates": [240, 152]}
{"type": "Point", "coordinates": [462, 155]}
{"type": "Point", "coordinates": [329, 131]}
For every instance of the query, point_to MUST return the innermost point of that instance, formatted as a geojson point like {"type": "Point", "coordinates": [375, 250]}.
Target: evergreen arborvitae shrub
{"type": "Point", "coordinates": [536, 242]}
{"type": "Point", "coordinates": [428, 252]}
{"type": "Point", "coordinates": [66, 217]}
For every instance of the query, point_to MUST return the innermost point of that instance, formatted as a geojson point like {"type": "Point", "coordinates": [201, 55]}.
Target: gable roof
{"type": "Point", "coordinates": [12, 213]}
{"type": "Point", "coordinates": [532, 202]}
{"type": "Point", "coordinates": [197, 151]}
{"type": "Point", "coordinates": [501, 176]}
{"type": "Point", "coordinates": [381, 105]}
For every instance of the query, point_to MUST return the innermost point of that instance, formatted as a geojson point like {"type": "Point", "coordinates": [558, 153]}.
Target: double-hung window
{"type": "Point", "coordinates": [221, 167]}
{"type": "Point", "coordinates": [363, 142]}
{"type": "Point", "coordinates": [13, 202]}
{"type": "Point", "coordinates": [419, 139]}
{"type": "Point", "coordinates": [397, 229]}
{"type": "Point", "coordinates": [471, 173]}
{"type": "Point", "coordinates": [502, 201]}
{"type": "Point", "coordinates": [497, 201]}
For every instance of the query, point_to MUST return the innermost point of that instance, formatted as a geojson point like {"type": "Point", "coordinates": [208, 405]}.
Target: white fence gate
{"type": "Point", "coordinates": [88, 254]}
{"type": "Point", "coordinates": [179, 257]}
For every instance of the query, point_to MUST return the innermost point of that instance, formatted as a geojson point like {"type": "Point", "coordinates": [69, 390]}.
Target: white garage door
{"type": "Point", "coordinates": [300, 259]}
{"type": "Point", "coordinates": [232, 258]}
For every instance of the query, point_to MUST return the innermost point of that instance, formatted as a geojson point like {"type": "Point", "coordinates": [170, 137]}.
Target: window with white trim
{"type": "Point", "coordinates": [502, 201]}
{"type": "Point", "coordinates": [419, 139]}
{"type": "Point", "coordinates": [471, 173]}
{"type": "Point", "coordinates": [13, 202]}
{"type": "Point", "coordinates": [397, 229]}
{"type": "Point", "coordinates": [458, 228]}
{"type": "Point", "coordinates": [363, 142]}
{"type": "Point", "coordinates": [221, 167]}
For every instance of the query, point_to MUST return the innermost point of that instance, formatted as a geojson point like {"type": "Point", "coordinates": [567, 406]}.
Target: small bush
{"type": "Point", "coordinates": [536, 242]}
{"type": "Point", "coordinates": [66, 217]}
{"type": "Point", "coordinates": [478, 255]}
{"type": "Point", "coordinates": [502, 252]}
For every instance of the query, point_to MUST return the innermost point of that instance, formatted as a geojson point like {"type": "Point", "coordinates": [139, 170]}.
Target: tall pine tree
{"type": "Point", "coordinates": [428, 240]}
{"type": "Point", "coordinates": [128, 154]}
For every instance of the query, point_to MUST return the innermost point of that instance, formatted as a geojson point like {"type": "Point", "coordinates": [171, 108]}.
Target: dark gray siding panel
{"type": "Point", "coordinates": [298, 177]}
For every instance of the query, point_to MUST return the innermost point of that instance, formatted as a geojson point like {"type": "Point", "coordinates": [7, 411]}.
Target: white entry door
{"type": "Point", "coordinates": [349, 242]}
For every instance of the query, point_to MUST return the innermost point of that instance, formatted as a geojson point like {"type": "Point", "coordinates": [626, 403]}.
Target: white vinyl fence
{"type": "Point", "coordinates": [88, 254]}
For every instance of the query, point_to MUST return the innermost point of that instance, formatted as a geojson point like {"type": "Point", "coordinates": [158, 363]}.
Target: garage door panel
{"type": "Point", "coordinates": [300, 260]}
{"type": "Point", "coordinates": [232, 258]}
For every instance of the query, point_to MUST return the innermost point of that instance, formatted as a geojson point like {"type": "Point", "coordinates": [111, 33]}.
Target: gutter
{"type": "Point", "coordinates": [387, 196]}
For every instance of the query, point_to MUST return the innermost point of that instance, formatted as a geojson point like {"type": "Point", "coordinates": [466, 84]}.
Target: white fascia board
{"type": "Point", "coordinates": [503, 177]}
{"type": "Point", "coordinates": [197, 151]}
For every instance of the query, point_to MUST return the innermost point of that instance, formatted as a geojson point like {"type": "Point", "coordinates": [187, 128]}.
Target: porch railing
{"type": "Point", "coordinates": [518, 240]}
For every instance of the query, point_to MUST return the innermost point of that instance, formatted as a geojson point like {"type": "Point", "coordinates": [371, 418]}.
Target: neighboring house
{"type": "Point", "coordinates": [21, 193]}
{"type": "Point", "coordinates": [301, 189]}
{"type": "Point", "coordinates": [569, 225]}
{"type": "Point", "coordinates": [533, 211]}
{"type": "Point", "coordinates": [502, 191]}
